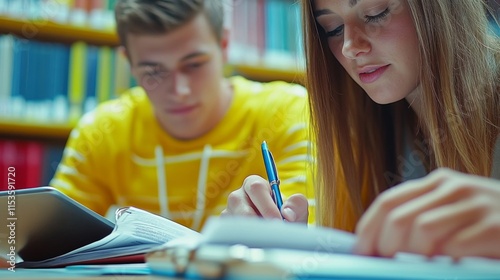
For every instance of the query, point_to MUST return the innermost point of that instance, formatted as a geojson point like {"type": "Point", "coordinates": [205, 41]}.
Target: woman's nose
{"type": "Point", "coordinates": [355, 42]}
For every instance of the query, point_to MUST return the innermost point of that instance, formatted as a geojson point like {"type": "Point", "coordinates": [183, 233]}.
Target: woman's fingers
{"type": "Point", "coordinates": [433, 228]}
{"type": "Point", "coordinates": [480, 239]}
{"type": "Point", "coordinates": [252, 199]}
{"type": "Point", "coordinates": [259, 194]}
{"type": "Point", "coordinates": [397, 226]}
{"type": "Point", "coordinates": [295, 209]}
{"type": "Point", "coordinates": [372, 223]}
{"type": "Point", "coordinates": [448, 213]}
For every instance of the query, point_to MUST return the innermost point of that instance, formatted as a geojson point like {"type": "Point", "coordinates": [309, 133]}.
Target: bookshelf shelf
{"type": "Point", "coordinates": [50, 31]}
{"type": "Point", "coordinates": [265, 74]}
{"type": "Point", "coordinates": [49, 131]}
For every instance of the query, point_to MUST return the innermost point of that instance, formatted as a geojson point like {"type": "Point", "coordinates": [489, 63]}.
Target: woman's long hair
{"type": "Point", "coordinates": [359, 142]}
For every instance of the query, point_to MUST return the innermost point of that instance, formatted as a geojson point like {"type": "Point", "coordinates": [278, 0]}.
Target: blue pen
{"type": "Point", "coordinates": [272, 175]}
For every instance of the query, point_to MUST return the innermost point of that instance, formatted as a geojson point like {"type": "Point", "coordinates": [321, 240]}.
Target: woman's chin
{"type": "Point", "coordinates": [385, 98]}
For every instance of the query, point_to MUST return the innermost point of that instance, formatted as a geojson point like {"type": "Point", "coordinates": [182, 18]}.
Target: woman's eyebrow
{"type": "Point", "coordinates": [322, 12]}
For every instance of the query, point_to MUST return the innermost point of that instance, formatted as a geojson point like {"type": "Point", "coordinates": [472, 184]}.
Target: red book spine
{"type": "Point", "coordinates": [34, 162]}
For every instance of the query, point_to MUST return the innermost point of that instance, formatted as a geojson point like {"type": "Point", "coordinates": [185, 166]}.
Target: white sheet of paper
{"type": "Point", "coordinates": [261, 233]}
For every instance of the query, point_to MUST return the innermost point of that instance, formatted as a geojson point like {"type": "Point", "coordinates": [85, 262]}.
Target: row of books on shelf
{"type": "Point", "coordinates": [51, 82]}
{"type": "Point", "coordinates": [266, 32]}
{"type": "Point", "coordinates": [27, 164]}
{"type": "Point", "coordinates": [262, 32]}
{"type": "Point", "coordinates": [94, 14]}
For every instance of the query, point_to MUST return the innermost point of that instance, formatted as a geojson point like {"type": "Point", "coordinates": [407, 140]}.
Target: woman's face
{"type": "Point", "coordinates": [376, 42]}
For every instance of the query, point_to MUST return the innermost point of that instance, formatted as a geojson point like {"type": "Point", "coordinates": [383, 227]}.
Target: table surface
{"type": "Point", "coordinates": [108, 272]}
{"type": "Point", "coordinates": [19, 275]}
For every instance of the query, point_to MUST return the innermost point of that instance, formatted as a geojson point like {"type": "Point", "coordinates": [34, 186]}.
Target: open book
{"type": "Point", "coordinates": [253, 248]}
{"type": "Point", "coordinates": [135, 232]}
{"type": "Point", "coordinates": [261, 233]}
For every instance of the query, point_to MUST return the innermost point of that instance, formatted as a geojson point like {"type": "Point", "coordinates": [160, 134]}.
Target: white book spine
{"type": "Point", "coordinates": [6, 57]}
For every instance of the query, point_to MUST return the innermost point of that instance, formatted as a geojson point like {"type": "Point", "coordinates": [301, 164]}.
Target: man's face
{"type": "Point", "coordinates": [182, 74]}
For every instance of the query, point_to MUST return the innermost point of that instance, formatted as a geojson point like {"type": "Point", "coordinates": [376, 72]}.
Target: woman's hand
{"type": "Point", "coordinates": [444, 213]}
{"type": "Point", "coordinates": [254, 198]}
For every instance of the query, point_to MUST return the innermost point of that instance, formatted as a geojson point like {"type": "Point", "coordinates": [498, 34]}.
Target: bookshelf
{"type": "Point", "coordinates": [54, 32]}
{"type": "Point", "coordinates": [49, 31]}
{"type": "Point", "coordinates": [264, 74]}
{"type": "Point", "coordinates": [35, 130]}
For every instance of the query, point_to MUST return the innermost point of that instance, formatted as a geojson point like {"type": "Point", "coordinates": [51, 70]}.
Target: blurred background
{"type": "Point", "coordinates": [59, 59]}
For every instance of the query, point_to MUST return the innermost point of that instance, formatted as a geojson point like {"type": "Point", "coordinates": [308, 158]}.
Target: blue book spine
{"type": "Point", "coordinates": [61, 53]}
{"type": "Point", "coordinates": [19, 69]}
{"type": "Point", "coordinates": [90, 100]}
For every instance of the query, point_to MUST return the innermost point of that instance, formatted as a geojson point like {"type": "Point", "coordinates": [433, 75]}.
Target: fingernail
{"type": "Point", "coordinates": [289, 214]}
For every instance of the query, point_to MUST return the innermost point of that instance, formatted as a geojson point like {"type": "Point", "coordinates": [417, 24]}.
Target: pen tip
{"type": "Point", "coordinates": [264, 145]}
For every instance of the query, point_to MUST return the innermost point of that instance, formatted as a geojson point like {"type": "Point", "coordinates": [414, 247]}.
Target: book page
{"type": "Point", "coordinates": [147, 226]}
{"type": "Point", "coordinates": [262, 233]}
{"type": "Point", "coordinates": [135, 226]}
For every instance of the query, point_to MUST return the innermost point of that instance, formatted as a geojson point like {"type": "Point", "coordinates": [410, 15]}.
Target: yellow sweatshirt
{"type": "Point", "coordinates": [118, 155]}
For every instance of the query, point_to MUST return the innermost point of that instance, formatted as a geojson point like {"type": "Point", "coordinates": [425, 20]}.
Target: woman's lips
{"type": "Point", "coordinates": [370, 77]}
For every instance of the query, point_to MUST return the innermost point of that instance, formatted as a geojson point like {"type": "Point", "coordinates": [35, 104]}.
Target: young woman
{"type": "Point", "coordinates": [402, 93]}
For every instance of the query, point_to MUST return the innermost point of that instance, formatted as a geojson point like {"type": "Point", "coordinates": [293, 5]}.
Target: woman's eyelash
{"type": "Point", "coordinates": [336, 32]}
{"type": "Point", "coordinates": [368, 19]}
{"type": "Point", "coordinates": [378, 17]}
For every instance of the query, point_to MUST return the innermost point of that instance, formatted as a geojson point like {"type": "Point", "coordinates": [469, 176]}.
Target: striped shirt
{"type": "Point", "coordinates": [118, 155]}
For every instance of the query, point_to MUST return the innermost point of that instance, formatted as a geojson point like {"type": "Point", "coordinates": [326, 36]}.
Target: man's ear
{"type": "Point", "coordinates": [225, 44]}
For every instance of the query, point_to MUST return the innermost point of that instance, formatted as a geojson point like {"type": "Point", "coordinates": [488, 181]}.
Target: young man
{"type": "Point", "coordinates": [187, 137]}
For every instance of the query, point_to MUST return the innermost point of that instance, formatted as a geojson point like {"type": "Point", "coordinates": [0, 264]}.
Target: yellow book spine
{"type": "Point", "coordinates": [104, 74]}
{"type": "Point", "coordinates": [77, 80]}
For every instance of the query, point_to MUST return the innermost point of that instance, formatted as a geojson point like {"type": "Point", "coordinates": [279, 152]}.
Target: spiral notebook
{"type": "Point", "coordinates": [252, 248]}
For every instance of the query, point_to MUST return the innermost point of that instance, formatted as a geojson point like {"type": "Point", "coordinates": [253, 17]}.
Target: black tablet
{"type": "Point", "coordinates": [41, 223]}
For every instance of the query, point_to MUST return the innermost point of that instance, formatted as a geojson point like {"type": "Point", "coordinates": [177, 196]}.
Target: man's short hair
{"type": "Point", "coordinates": [163, 16]}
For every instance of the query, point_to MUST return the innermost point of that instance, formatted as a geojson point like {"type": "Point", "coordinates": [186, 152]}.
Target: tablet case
{"type": "Point", "coordinates": [46, 223]}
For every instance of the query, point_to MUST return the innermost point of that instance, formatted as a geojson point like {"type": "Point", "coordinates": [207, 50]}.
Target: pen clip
{"type": "Point", "coordinates": [275, 171]}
